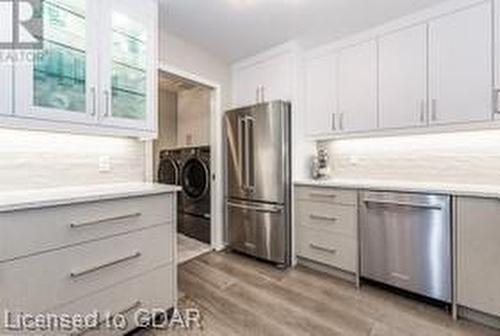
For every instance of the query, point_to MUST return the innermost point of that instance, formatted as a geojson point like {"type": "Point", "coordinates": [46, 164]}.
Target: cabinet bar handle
{"type": "Point", "coordinates": [422, 111]}
{"type": "Point", "coordinates": [434, 110]}
{"type": "Point", "coordinates": [76, 274]}
{"type": "Point", "coordinates": [496, 99]}
{"type": "Point", "coordinates": [104, 220]}
{"type": "Point", "coordinates": [324, 249]}
{"type": "Point", "coordinates": [317, 217]}
{"type": "Point", "coordinates": [107, 102]}
{"type": "Point", "coordinates": [93, 93]}
{"type": "Point", "coordinates": [334, 124]}
{"type": "Point", "coordinates": [323, 195]}
{"type": "Point", "coordinates": [341, 121]}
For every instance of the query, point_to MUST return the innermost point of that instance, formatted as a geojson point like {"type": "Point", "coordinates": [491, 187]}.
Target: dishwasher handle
{"type": "Point", "coordinates": [404, 204]}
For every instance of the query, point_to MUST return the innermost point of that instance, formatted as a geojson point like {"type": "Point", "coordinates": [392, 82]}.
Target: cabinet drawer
{"type": "Point", "coordinates": [153, 290]}
{"type": "Point", "coordinates": [47, 280]}
{"type": "Point", "coordinates": [331, 218]}
{"type": "Point", "coordinates": [334, 250]}
{"type": "Point", "coordinates": [34, 231]}
{"type": "Point", "coordinates": [327, 195]}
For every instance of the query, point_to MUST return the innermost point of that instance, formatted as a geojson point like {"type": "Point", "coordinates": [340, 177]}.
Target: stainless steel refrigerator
{"type": "Point", "coordinates": [258, 181]}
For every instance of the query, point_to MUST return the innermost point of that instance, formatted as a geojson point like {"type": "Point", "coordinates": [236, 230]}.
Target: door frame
{"type": "Point", "coordinates": [216, 157]}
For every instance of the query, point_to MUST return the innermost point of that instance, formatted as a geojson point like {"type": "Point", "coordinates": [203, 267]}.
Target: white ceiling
{"type": "Point", "coordinates": [235, 29]}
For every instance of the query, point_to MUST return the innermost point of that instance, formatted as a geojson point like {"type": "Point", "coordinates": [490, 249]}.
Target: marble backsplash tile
{"type": "Point", "coordinates": [42, 159]}
{"type": "Point", "coordinates": [465, 157]}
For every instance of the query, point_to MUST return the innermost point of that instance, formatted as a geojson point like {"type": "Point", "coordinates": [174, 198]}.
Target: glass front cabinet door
{"type": "Point", "coordinates": [128, 64]}
{"type": "Point", "coordinates": [60, 82]}
{"type": "Point", "coordinates": [97, 67]}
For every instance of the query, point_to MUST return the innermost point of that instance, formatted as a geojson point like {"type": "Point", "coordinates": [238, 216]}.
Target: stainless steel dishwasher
{"type": "Point", "coordinates": [406, 242]}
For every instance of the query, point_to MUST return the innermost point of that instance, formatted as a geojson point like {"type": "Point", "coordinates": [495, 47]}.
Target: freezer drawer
{"type": "Point", "coordinates": [259, 230]}
{"type": "Point", "coordinates": [406, 242]}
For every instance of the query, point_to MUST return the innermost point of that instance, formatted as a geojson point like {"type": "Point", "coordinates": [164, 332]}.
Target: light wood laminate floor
{"type": "Point", "coordinates": [239, 296]}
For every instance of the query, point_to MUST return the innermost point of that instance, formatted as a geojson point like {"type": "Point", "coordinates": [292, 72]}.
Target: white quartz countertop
{"type": "Point", "coordinates": [454, 189]}
{"type": "Point", "coordinates": [41, 198]}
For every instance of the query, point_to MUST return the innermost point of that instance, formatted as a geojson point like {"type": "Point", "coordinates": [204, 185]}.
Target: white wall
{"type": "Point", "coordinates": [184, 55]}
{"type": "Point", "coordinates": [167, 124]}
{"type": "Point", "coordinates": [41, 159]}
{"type": "Point", "coordinates": [193, 118]}
{"type": "Point", "coordinates": [465, 157]}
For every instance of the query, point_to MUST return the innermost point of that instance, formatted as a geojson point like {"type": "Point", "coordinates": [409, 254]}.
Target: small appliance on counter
{"type": "Point", "coordinates": [320, 167]}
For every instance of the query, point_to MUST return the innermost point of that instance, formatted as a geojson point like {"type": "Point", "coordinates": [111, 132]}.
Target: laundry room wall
{"type": "Point", "coordinates": [167, 124]}
{"type": "Point", "coordinates": [193, 118]}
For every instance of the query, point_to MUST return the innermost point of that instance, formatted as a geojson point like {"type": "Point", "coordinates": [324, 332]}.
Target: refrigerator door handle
{"type": "Point", "coordinates": [250, 148]}
{"type": "Point", "coordinates": [242, 151]}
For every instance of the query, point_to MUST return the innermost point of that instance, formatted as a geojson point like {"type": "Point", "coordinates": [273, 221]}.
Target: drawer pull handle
{"type": "Point", "coordinates": [76, 274]}
{"type": "Point", "coordinates": [104, 220]}
{"type": "Point", "coordinates": [323, 195]}
{"type": "Point", "coordinates": [124, 311]}
{"type": "Point", "coordinates": [317, 217]}
{"type": "Point", "coordinates": [324, 249]}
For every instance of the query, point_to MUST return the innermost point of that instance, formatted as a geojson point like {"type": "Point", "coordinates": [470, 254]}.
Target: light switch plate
{"type": "Point", "coordinates": [104, 164]}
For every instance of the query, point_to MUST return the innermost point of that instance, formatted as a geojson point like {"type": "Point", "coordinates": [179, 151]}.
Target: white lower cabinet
{"type": "Point", "coordinates": [326, 227]}
{"type": "Point", "coordinates": [155, 291]}
{"type": "Point", "coordinates": [478, 257]}
{"type": "Point", "coordinates": [114, 256]}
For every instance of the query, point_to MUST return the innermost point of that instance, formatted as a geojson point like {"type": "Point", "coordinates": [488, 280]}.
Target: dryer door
{"type": "Point", "coordinates": [168, 172]}
{"type": "Point", "coordinates": [195, 179]}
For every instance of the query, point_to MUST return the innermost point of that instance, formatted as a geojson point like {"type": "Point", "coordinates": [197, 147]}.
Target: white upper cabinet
{"type": "Point", "coordinates": [128, 66]}
{"type": "Point", "coordinates": [247, 82]}
{"type": "Point", "coordinates": [357, 88]}
{"type": "Point", "coordinates": [264, 78]}
{"type": "Point", "coordinates": [97, 72]}
{"type": "Point", "coordinates": [435, 67]}
{"type": "Point", "coordinates": [403, 78]}
{"type": "Point", "coordinates": [321, 95]}
{"type": "Point", "coordinates": [461, 66]}
{"type": "Point", "coordinates": [6, 77]}
{"type": "Point", "coordinates": [61, 84]}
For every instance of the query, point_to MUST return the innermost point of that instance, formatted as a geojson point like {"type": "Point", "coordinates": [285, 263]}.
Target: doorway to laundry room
{"type": "Point", "coordinates": [183, 156]}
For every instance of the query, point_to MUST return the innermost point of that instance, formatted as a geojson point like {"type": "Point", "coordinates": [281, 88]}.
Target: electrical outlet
{"type": "Point", "coordinates": [104, 164]}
